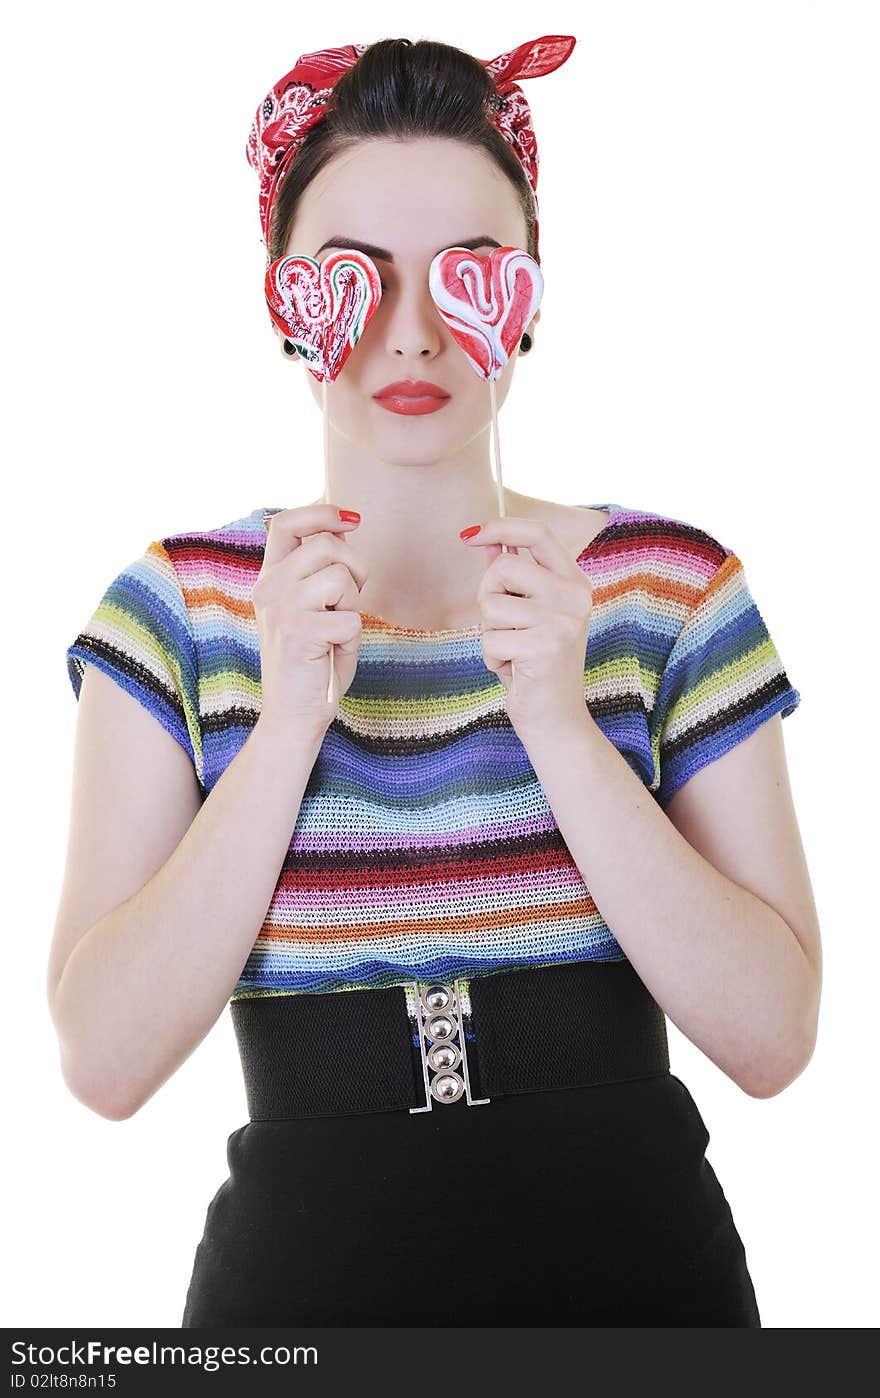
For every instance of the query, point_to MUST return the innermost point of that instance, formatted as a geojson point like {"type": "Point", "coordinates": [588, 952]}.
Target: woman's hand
{"type": "Point", "coordinates": [543, 630]}
{"type": "Point", "coordinates": [308, 568]}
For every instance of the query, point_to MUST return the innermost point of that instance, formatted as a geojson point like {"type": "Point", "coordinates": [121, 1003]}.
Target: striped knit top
{"type": "Point", "coordinates": [425, 847]}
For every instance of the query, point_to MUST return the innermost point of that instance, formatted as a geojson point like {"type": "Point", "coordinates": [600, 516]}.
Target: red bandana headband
{"type": "Point", "coordinates": [298, 101]}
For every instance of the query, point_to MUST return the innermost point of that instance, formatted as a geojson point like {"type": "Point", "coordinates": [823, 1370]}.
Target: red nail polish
{"type": "Point", "coordinates": [470, 531]}
{"type": "Point", "coordinates": [351, 515]}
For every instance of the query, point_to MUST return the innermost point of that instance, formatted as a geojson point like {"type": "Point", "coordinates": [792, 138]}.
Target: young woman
{"type": "Point", "coordinates": [449, 915]}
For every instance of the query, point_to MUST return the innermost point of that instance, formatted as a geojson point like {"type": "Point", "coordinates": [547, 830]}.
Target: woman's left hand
{"type": "Point", "coordinates": [543, 630]}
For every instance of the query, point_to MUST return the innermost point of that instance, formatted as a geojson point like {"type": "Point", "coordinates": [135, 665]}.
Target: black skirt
{"type": "Point", "coordinates": [582, 1206]}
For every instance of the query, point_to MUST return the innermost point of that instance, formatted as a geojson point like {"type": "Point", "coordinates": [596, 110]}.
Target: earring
{"type": "Point", "coordinates": [525, 343]}
{"type": "Point", "coordinates": [289, 346]}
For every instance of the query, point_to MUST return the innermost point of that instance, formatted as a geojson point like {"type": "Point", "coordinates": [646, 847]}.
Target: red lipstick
{"type": "Point", "coordinates": [412, 396]}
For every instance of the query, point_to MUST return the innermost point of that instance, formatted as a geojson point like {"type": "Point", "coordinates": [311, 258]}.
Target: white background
{"type": "Point", "coordinates": [708, 349]}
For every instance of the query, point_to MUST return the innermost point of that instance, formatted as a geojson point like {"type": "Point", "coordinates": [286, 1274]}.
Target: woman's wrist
{"type": "Point", "coordinates": [291, 732]}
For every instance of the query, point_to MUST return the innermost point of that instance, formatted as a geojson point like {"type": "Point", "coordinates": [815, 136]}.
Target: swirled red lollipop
{"type": "Point", "coordinates": [324, 309]}
{"type": "Point", "coordinates": [486, 303]}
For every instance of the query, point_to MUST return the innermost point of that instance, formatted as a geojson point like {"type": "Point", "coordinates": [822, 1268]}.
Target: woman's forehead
{"type": "Point", "coordinates": [389, 195]}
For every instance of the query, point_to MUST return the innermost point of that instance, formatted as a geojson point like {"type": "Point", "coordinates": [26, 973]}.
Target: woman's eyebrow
{"type": "Point", "coordinates": [337, 241]}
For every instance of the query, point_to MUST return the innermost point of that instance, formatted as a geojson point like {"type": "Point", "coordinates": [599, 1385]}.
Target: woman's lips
{"type": "Point", "coordinates": [412, 397]}
{"type": "Point", "coordinates": [407, 404]}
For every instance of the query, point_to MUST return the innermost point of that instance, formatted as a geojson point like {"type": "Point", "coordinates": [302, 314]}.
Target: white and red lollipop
{"type": "Point", "coordinates": [486, 303]}
{"type": "Point", "coordinates": [324, 309]}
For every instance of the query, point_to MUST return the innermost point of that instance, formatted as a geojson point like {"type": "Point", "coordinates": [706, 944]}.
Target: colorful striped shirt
{"type": "Point", "coordinates": [425, 847]}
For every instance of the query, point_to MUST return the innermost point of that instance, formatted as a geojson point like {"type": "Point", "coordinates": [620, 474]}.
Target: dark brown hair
{"type": "Point", "coordinates": [399, 88]}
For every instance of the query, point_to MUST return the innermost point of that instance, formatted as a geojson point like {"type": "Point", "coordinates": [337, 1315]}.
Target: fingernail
{"type": "Point", "coordinates": [470, 531]}
{"type": "Point", "coordinates": [351, 515]}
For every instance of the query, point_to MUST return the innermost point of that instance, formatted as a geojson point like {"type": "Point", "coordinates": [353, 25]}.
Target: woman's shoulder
{"type": "Point", "coordinates": [212, 569]}
{"type": "Point", "coordinates": [665, 535]}
{"type": "Point", "coordinates": [241, 532]}
{"type": "Point", "coordinates": [646, 552]}
{"type": "Point", "coordinates": [629, 536]}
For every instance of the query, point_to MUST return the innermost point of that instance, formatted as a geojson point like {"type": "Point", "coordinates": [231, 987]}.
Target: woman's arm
{"type": "Point", "coordinates": [133, 991]}
{"type": "Point", "coordinates": [726, 940]}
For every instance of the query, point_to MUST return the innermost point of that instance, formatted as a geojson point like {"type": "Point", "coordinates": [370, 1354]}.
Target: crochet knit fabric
{"type": "Point", "coordinates": [425, 847]}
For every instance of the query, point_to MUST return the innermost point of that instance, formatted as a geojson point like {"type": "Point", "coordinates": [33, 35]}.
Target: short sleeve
{"type": "Point", "coordinates": [722, 679]}
{"type": "Point", "coordinates": [140, 634]}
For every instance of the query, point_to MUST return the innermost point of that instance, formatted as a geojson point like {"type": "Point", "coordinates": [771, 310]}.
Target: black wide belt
{"type": "Point", "coordinates": [429, 1043]}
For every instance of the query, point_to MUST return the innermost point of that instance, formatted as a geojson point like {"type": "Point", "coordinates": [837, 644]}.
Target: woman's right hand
{"type": "Point", "coordinates": [307, 569]}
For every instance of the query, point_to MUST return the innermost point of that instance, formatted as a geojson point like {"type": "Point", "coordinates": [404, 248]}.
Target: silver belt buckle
{"type": "Point", "coordinates": [437, 1009]}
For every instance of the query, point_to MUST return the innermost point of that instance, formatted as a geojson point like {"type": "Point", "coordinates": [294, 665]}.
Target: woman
{"type": "Point", "coordinates": [448, 988]}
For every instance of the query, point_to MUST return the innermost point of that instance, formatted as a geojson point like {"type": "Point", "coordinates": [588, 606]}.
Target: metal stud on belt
{"type": "Point", "coordinates": [442, 1044]}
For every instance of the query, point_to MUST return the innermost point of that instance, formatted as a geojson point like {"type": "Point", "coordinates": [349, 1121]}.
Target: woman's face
{"type": "Point", "coordinates": [401, 202]}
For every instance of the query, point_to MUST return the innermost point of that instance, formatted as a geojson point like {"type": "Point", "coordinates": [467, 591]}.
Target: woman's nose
{"type": "Point", "coordinates": [413, 325]}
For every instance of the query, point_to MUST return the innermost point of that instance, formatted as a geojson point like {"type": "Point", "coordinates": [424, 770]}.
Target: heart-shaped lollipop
{"type": "Point", "coordinates": [323, 307]}
{"type": "Point", "coordinates": [486, 302]}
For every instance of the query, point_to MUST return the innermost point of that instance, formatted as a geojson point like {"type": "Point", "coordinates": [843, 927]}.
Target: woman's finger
{"type": "Point", "coordinates": [288, 528]}
{"type": "Point", "coordinates": [541, 541]}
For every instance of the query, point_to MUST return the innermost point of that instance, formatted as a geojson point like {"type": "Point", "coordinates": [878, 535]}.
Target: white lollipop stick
{"type": "Point", "coordinates": [485, 303]}
{"type": "Point", "coordinates": [323, 308]}
{"type": "Point", "coordinates": [500, 488]}
{"type": "Point", "coordinates": [326, 416]}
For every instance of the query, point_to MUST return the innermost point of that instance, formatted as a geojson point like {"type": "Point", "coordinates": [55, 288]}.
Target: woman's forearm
{"type": "Point", "coordinates": [144, 985]}
{"type": "Point", "coordinates": [721, 963]}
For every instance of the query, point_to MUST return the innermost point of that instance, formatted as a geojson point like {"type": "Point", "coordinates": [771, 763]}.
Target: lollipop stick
{"type": "Point", "coordinates": [500, 487]}
{"type": "Point", "coordinates": [326, 416]}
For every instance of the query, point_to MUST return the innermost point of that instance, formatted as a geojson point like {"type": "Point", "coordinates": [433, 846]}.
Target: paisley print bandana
{"type": "Point", "coordinates": [299, 100]}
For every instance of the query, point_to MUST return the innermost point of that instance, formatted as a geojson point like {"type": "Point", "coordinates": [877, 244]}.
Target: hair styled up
{"type": "Point", "coordinates": [399, 88]}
